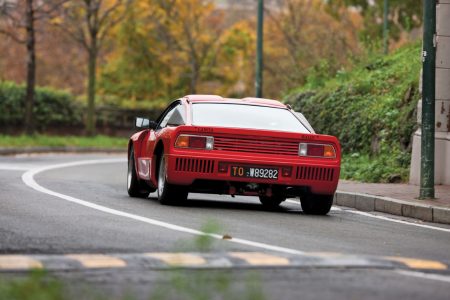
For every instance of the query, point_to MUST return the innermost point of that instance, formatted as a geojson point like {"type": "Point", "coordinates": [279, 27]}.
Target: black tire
{"type": "Point", "coordinates": [169, 194]}
{"type": "Point", "coordinates": [134, 187]}
{"type": "Point", "coordinates": [316, 204]}
{"type": "Point", "coordinates": [272, 202]}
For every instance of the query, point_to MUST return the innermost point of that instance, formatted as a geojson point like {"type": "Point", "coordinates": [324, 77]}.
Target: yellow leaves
{"type": "Point", "coordinates": [301, 35]}
{"type": "Point", "coordinates": [56, 20]}
{"type": "Point", "coordinates": [188, 45]}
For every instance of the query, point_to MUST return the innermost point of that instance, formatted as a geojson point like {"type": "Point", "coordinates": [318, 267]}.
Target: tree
{"type": "Point", "coordinates": [88, 22]}
{"type": "Point", "coordinates": [235, 51]}
{"type": "Point", "coordinates": [19, 24]}
{"type": "Point", "coordinates": [138, 67]}
{"type": "Point", "coordinates": [301, 38]}
{"type": "Point", "coordinates": [167, 48]}
{"type": "Point", "coordinates": [404, 15]}
{"type": "Point", "coordinates": [192, 30]}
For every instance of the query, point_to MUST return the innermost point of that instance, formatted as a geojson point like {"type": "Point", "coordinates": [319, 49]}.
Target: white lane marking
{"type": "Point", "coordinates": [5, 167]}
{"type": "Point", "coordinates": [293, 201]}
{"type": "Point", "coordinates": [424, 275]}
{"type": "Point", "coordinates": [28, 179]}
{"type": "Point", "coordinates": [366, 214]}
{"type": "Point", "coordinates": [298, 202]}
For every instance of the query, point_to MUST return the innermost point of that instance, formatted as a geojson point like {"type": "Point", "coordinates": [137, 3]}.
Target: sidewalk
{"type": "Point", "coordinates": [397, 199]}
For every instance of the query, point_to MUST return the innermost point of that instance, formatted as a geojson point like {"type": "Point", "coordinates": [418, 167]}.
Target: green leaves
{"type": "Point", "coordinates": [52, 107]}
{"type": "Point", "coordinates": [404, 15]}
{"type": "Point", "coordinates": [371, 110]}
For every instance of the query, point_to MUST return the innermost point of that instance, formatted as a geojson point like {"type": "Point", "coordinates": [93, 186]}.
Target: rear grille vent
{"type": "Point", "coordinates": [194, 165]}
{"type": "Point", "coordinates": [256, 145]}
{"type": "Point", "coordinates": [315, 173]}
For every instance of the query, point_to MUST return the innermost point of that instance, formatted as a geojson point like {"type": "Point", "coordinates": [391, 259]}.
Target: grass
{"type": "Point", "coordinates": [36, 286]}
{"type": "Point", "coordinates": [380, 168]}
{"type": "Point", "coordinates": [99, 141]}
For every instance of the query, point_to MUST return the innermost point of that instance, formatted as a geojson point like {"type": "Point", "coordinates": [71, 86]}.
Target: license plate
{"type": "Point", "coordinates": [254, 172]}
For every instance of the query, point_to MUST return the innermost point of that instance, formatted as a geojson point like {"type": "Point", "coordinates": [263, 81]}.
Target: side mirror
{"type": "Point", "coordinates": [141, 122]}
{"type": "Point", "coordinates": [145, 123]}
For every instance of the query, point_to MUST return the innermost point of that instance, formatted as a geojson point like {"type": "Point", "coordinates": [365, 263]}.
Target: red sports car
{"type": "Point", "coordinates": [251, 146]}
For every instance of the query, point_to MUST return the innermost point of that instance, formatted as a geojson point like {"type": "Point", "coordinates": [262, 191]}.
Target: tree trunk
{"type": "Point", "coordinates": [194, 78]}
{"type": "Point", "coordinates": [31, 68]}
{"type": "Point", "coordinates": [92, 66]}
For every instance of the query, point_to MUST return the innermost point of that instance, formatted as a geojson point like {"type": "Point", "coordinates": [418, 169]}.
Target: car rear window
{"type": "Point", "coordinates": [245, 116]}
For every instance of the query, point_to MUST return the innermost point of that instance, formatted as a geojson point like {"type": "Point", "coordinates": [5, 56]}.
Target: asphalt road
{"type": "Point", "coordinates": [84, 208]}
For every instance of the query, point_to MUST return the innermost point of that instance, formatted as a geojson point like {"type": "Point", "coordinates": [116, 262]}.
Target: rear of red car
{"type": "Point", "coordinates": [239, 147]}
{"type": "Point", "coordinates": [253, 162]}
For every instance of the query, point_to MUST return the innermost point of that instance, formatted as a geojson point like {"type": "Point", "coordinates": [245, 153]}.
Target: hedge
{"type": "Point", "coordinates": [371, 109]}
{"type": "Point", "coordinates": [52, 107]}
{"type": "Point", "coordinates": [57, 109]}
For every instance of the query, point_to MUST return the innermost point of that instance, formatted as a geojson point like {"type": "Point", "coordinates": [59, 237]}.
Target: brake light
{"type": "Point", "coordinates": [195, 142]}
{"type": "Point", "coordinates": [316, 150]}
{"type": "Point", "coordinates": [286, 171]}
{"type": "Point", "coordinates": [223, 167]}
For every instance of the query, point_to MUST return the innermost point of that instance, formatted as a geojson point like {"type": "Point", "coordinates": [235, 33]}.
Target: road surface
{"type": "Point", "coordinates": [55, 205]}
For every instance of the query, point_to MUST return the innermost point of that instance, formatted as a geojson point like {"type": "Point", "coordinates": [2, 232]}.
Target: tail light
{"type": "Point", "coordinates": [286, 171]}
{"type": "Point", "coordinates": [317, 150]}
{"type": "Point", "coordinates": [194, 142]}
{"type": "Point", "coordinates": [223, 167]}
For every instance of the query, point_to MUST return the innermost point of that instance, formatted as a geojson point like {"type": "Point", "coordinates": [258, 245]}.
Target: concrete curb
{"type": "Point", "coordinates": [38, 150]}
{"type": "Point", "coordinates": [366, 202]}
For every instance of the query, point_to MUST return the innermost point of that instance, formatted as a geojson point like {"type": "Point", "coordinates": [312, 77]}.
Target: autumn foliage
{"type": "Point", "coordinates": [163, 49]}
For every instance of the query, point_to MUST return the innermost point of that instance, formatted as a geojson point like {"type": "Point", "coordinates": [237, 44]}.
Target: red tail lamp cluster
{"type": "Point", "coordinates": [317, 150]}
{"type": "Point", "coordinates": [195, 142]}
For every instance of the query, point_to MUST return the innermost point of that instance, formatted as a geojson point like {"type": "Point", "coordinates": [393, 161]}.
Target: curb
{"type": "Point", "coordinates": [40, 150]}
{"type": "Point", "coordinates": [227, 260]}
{"type": "Point", "coordinates": [367, 203]}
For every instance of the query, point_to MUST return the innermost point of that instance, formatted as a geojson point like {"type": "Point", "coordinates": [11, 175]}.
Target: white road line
{"type": "Point", "coordinates": [28, 179]}
{"type": "Point", "coordinates": [424, 275]}
{"type": "Point", "coordinates": [366, 214]}
{"type": "Point", "coordinates": [298, 202]}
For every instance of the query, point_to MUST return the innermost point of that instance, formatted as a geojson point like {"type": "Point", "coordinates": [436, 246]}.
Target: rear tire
{"type": "Point", "coordinates": [316, 204]}
{"type": "Point", "coordinates": [169, 194]}
{"type": "Point", "coordinates": [134, 187]}
{"type": "Point", "coordinates": [272, 202]}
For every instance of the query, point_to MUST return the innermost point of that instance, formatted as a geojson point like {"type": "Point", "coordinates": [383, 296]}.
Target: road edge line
{"type": "Point", "coordinates": [28, 179]}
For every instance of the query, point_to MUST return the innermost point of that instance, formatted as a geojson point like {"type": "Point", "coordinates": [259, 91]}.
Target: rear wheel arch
{"type": "Point", "coordinates": [132, 149]}
{"type": "Point", "coordinates": [130, 145]}
{"type": "Point", "coordinates": [169, 194]}
{"type": "Point", "coordinates": [159, 150]}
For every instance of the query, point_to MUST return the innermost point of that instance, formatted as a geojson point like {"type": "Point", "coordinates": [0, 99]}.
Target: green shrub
{"type": "Point", "coordinates": [57, 109]}
{"type": "Point", "coordinates": [371, 109]}
{"type": "Point", "coordinates": [52, 107]}
{"type": "Point", "coordinates": [36, 285]}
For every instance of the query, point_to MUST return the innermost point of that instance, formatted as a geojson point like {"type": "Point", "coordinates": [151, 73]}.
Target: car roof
{"type": "Point", "coordinates": [247, 100]}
